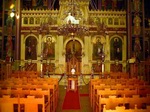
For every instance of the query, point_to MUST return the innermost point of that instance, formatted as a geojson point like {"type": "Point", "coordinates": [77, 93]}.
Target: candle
{"type": "Point", "coordinates": [41, 69]}
{"type": "Point", "coordinates": [103, 67]}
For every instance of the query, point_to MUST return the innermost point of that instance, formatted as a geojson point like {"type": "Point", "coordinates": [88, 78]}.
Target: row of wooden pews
{"type": "Point", "coordinates": [28, 74]}
{"type": "Point", "coordinates": [123, 109]}
{"type": "Point", "coordinates": [114, 75]}
{"type": "Point", "coordinates": [109, 95]}
{"type": "Point", "coordinates": [29, 94]}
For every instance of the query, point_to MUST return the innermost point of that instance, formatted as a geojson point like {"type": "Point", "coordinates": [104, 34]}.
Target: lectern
{"type": "Point", "coordinates": [72, 84]}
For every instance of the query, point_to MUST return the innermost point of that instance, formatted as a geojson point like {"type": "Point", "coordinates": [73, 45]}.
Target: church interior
{"type": "Point", "coordinates": [74, 56]}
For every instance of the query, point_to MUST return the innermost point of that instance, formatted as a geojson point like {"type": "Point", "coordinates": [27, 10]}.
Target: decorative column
{"type": "Point", "coordinates": [22, 52]}
{"type": "Point", "coordinates": [124, 56]}
{"type": "Point", "coordinates": [60, 57]}
{"type": "Point", "coordinates": [107, 53]}
{"type": "Point", "coordinates": [137, 28]}
{"type": "Point", "coordinates": [136, 33]}
{"type": "Point", "coordinates": [40, 53]}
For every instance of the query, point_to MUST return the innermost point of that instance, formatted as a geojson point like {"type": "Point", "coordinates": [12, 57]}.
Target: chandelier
{"type": "Point", "coordinates": [72, 25]}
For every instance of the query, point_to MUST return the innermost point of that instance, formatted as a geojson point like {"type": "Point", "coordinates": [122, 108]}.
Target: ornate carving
{"type": "Point", "coordinates": [137, 26]}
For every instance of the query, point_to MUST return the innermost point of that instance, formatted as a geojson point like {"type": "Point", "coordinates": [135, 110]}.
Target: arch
{"type": "Point", "coordinates": [116, 36]}
{"type": "Point", "coordinates": [75, 38]}
{"type": "Point", "coordinates": [31, 35]}
{"type": "Point", "coordinates": [102, 39]}
{"type": "Point", "coordinates": [53, 38]}
{"type": "Point", "coordinates": [74, 60]}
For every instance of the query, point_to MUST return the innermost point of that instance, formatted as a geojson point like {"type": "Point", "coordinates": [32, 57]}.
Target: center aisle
{"type": "Point", "coordinates": [83, 98]}
{"type": "Point", "coordinates": [71, 101]}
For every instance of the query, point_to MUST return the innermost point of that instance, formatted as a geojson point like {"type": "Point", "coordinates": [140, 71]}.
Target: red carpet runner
{"type": "Point", "coordinates": [71, 101]}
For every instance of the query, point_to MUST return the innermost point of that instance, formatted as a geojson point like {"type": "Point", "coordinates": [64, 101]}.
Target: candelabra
{"type": "Point", "coordinates": [72, 29]}
{"type": "Point", "coordinates": [72, 25]}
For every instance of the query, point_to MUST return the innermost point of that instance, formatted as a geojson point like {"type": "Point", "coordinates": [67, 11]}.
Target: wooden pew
{"type": "Point", "coordinates": [122, 109]}
{"type": "Point", "coordinates": [122, 86]}
{"type": "Point", "coordinates": [30, 103]}
{"type": "Point", "coordinates": [118, 83]}
{"type": "Point", "coordinates": [39, 87]}
{"type": "Point", "coordinates": [112, 101]}
{"type": "Point", "coordinates": [120, 91]}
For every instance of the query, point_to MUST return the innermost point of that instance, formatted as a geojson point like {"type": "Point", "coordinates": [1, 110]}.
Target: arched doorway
{"type": "Point", "coordinates": [73, 56]}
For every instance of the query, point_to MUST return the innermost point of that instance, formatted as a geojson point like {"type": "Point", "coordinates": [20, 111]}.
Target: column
{"type": "Point", "coordinates": [124, 52]}
{"type": "Point", "coordinates": [87, 54]}
{"type": "Point", "coordinates": [22, 45]}
{"type": "Point", "coordinates": [39, 52]}
{"type": "Point", "coordinates": [17, 40]}
{"type": "Point", "coordinates": [60, 54]}
{"type": "Point", "coordinates": [107, 54]}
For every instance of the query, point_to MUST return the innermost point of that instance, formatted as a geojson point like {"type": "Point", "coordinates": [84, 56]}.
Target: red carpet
{"type": "Point", "coordinates": [71, 101]}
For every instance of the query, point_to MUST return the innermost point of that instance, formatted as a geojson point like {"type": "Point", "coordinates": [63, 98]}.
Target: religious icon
{"type": "Point", "coordinates": [31, 51]}
{"type": "Point", "coordinates": [98, 48]}
{"type": "Point", "coordinates": [48, 50]}
{"type": "Point", "coordinates": [116, 46]}
{"type": "Point", "coordinates": [116, 49]}
{"type": "Point", "coordinates": [136, 4]}
{"type": "Point", "coordinates": [137, 26]}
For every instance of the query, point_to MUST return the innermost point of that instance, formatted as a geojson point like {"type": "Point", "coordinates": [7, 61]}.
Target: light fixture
{"type": "Point", "coordinates": [11, 6]}
{"type": "Point", "coordinates": [72, 29]}
{"type": "Point", "coordinates": [72, 26]}
{"type": "Point", "coordinates": [12, 14]}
